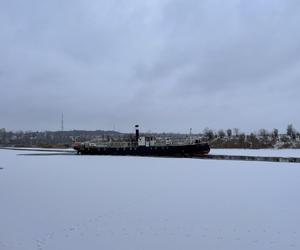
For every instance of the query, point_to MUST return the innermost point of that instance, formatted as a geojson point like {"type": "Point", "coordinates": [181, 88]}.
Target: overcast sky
{"type": "Point", "coordinates": [166, 64]}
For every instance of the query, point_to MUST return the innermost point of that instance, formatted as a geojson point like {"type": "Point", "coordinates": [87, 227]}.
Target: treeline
{"type": "Point", "coordinates": [50, 139]}
{"type": "Point", "coordinates": [234, 138]}
{"type": "Point", "coordinates": [229, 138]}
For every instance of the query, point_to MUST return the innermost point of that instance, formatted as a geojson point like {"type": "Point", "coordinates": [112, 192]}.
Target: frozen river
{"type": "Point", "coordinates": [257, 152]}
{"type": "Point", "coordinates": [102, 202]}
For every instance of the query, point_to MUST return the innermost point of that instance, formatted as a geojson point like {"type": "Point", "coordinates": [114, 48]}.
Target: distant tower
{"type": "Point", "coordinates": [62, 121]}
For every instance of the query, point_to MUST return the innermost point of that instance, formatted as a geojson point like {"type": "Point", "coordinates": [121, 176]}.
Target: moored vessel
{"type": "Point", "coordinates": [144, 146]}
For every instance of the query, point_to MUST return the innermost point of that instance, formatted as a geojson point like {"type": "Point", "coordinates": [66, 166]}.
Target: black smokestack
{"type": "Point", "coordinates": [137, 132]}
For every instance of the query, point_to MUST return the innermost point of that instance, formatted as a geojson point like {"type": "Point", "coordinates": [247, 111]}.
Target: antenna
{"type": "Point", "coordinates": [62, 121]}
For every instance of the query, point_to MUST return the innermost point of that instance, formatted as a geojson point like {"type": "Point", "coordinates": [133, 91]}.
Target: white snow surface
{"type": "Point", "coordinates": [257, 152]}
{"type": "Point", "coordinates": [40, 149]}
{"type": "Point", "coordinates": [103, 202]}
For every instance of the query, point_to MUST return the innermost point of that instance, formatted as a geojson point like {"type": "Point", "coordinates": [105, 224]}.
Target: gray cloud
{"type": "Point", "coordinates": [168, 65]}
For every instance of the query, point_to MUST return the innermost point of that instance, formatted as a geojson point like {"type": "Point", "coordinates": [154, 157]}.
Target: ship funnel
{"type": "Point", "coordinates": [137, 133]}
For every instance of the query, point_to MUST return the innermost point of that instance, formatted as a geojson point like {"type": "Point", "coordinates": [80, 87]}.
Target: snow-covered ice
{"type": "Point", "coordinates": [40, 149]}
{"type": "Point", "coordinates": [257, 152]}
{"type": "Point", "coordinates": [102, 202]}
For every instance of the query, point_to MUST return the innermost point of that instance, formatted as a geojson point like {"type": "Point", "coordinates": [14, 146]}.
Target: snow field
{"type": "Point", "coordinates": [103, 202]}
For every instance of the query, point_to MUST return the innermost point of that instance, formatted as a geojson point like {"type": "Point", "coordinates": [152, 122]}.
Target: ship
{"type": "Point", "coordinates": [145, 145]}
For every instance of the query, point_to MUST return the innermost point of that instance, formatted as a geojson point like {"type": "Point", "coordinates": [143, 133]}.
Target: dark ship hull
{"type": "Point", "coordinates": [197, 149]}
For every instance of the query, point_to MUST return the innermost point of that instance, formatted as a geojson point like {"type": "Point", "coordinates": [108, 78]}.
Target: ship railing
{"type": "Point", "coordinates": [115, 144]}
{"type": "Point", "coordinates": [124, 144]}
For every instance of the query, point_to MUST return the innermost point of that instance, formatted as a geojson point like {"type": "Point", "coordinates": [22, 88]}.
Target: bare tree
{"type": "Point", "coordinates": [263, 132]}
{"type": "Point", "coordinates": [236, 131]}
{"type": "Point", "coordinates": [275, 133]}
{"type": "Point", "coordinates": [291, 131]}
{"type": "Point", "coordinates": [221, 133]}
{"type": "Point", "coordinates": [229, 132]}
{"type": "Point", "coordinates": [209, 133]}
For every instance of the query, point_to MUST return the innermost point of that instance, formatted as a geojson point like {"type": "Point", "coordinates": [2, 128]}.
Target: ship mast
{"type": "Point", "coordinates": [137, 133]}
